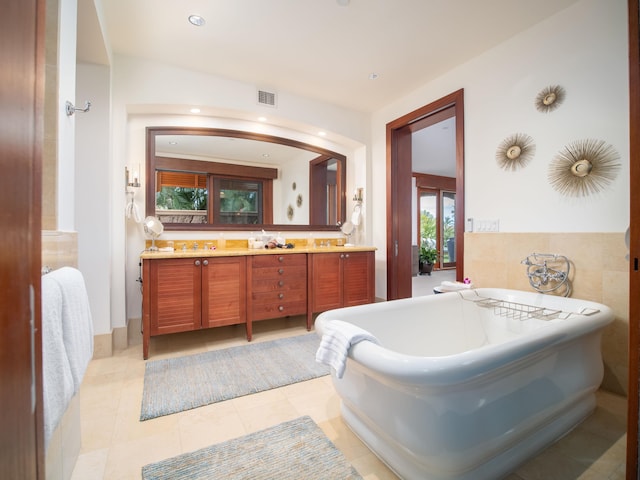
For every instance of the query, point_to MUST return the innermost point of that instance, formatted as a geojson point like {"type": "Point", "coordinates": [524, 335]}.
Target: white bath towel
{"type": "Point", "coordinates": [77, 326]}
{"type": "Point", "coordinates": [336, 342]}
{"type": "Point", "coordinates": [57, 381]}
{"type": "Point", "coordinates": [454, 286]}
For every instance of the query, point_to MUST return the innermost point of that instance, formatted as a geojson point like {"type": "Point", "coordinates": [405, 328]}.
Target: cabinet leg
{"type": "Point", "coordinates": [249, 330]}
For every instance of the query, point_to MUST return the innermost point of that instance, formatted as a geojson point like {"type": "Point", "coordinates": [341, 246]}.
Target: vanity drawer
{"type": "Point", "coordinates": [278, 297]}
{"type": "Point", "coordinates": [274, 260]}
{"type": "Point", "coordinates": [273, 274]}
{"type": "Point", "coordinates": [275, 310]}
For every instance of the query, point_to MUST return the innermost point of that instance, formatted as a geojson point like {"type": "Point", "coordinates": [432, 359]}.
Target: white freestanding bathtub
{"type": "Point", "coordinates": [468, 385]}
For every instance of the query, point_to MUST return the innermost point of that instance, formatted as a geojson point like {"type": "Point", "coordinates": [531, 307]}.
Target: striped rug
{"type": "Point", "coordinates": [294, 450]}
{"type": "Point", "coordinates": [177, 384]}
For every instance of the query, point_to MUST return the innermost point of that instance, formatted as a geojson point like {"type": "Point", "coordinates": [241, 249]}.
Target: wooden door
{"type": "Point", "coordinates": [358, 278]}
{"type": "Point", "coordinates": [175, 295]}
{"type": "Point", "coordinates": [326, 281]}
{"type": "Point", "coordinates": [224, 291]}
{"type": "Point", "coordinates": [634, 244]}
{"type": "Point", "coordinates": [21, 123]}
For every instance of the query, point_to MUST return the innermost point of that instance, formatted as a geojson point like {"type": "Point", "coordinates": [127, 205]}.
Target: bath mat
{"type": "Point", "coordinates": [177, 384]}
{"type": "Point", "coordinates": [293, 450]}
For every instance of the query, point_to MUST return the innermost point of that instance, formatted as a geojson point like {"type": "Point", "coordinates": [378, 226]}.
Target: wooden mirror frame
{"type": "Point", "coordinates": [150, 200]}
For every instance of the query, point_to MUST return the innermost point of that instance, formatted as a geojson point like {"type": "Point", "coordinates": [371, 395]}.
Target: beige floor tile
{"type": "Point", "coordinates": [266, 415]}
{"type": "Point", "coordinates": [126, 459]}
{"type": "Point", "coordinates": [91, 465]}
{"type": "Point", "coordinates": [206, 426]}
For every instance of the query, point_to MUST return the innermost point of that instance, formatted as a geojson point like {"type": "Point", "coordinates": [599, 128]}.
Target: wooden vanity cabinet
{"type": "Point", "coordinates": [277, 287]}
{"type": "Point", "coordinates": [341, 279]}
{"type": "Point", "coordinates": [184, 294]}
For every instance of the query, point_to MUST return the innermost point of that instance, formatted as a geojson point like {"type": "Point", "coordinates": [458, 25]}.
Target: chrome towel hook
{"type": "Point", "coordinates": [71, 109]}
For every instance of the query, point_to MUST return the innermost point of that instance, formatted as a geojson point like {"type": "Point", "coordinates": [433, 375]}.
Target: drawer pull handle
{"type": "Point", "coordinates": [281, 271]}
{"type": "Point", "coordinates": [197, 262]}
{"type": "Point", "coordinates": [281, 259]}
{"type": "Point", "coordinates": [281, 308]}
{"type": "Point", "coordinates": [205, 262]}
{"type": "Point", "coordinates": [281, 296]}
{"type": "Point", "coordinates": [342, 255]}
{"type": "Point", "coordinates": [280, 283]}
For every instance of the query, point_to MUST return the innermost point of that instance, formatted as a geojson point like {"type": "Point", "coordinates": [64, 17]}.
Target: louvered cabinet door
{"type": "Point", "coordinates": [174, 295]}
{"type": "Point", "coordinates": [326, 281]}
{"type": "Point", "coordinates": [358, 278]}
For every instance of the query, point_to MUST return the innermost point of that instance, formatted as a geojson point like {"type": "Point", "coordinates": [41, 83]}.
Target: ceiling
{"type": "Point", "coordinates": [313, 48]}
{"type": "Point", "coordinates": [320, 49]}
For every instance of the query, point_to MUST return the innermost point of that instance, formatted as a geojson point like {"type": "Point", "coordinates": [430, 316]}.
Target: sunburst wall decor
{"type": "Point", "coordinates": [515, 151]}
{"type": "Point", "coordinates": [584, 167]}
{"type": "Point", "coordinates": [550, 98]}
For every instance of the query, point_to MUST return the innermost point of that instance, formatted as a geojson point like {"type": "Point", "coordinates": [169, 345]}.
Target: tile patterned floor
{"type": "Point", "coordinates": [115, 444]}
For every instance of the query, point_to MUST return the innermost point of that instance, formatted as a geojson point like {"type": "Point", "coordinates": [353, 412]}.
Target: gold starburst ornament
{"type": "Point", "coordinates": [584, 167]}
{"type": "Point", "coordinates": [550, 98]}
{"type": "Point", "coordinates": [515, 151]}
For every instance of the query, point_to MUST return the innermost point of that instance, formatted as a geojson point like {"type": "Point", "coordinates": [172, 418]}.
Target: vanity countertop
{"type": "Point", "coordinates": [236, 252]}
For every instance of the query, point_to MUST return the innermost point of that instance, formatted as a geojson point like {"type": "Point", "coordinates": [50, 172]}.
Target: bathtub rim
{"type": "Point", "coordinates": [465, 366]}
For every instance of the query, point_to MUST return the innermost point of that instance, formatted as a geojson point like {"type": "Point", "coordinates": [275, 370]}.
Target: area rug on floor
{"type": "Point", "coordinates": [177, 384]}
{"type": "Point", "coordinates": [293, 450]}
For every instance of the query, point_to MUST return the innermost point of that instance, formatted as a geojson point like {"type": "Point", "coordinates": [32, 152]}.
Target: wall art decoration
{"type": "Point", "coordinates": [584, 167]}
{"type": "Point", "coordinates": [515, 151]}
{"type": "Point", "coordinates": [550, 98]}
{"type": "Point", "coordinates": [299, 200]}
{"type": "Point", "coordinates": [290, 212]}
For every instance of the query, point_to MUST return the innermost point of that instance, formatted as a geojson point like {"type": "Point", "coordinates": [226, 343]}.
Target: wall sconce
{"type": "Point", "coordinates": [358, 196]}
{"type": "Point", "coordinates": [71, 109]}
{"type": "Point", "coordinates": [136, 178]}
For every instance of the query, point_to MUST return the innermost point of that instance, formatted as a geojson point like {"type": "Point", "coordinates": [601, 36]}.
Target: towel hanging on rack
{"type": "Point", "coordinates": [131, 210]}
{"type": "Point", "coordinates": [356, 216]}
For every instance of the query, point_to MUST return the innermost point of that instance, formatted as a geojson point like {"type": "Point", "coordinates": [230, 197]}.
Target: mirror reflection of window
{"type": "Point", "coordinates": [181, 197]}
{"type": "Point", "coordinates": [237, 202]}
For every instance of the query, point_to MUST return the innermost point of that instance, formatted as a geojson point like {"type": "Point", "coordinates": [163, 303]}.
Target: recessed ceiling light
{"type": "Point", "coordinates": [322, 134]}
{"type": "Point", "coordinates": [196, 20]}
{"type": "Point", "coordinates": [343, 3]}
{"type": "Point", "coordinates": [195, 110]}
{"type": "Point", "coordinates": [373, 76]}
{"type": "Point", "coordinates": [262, 119]}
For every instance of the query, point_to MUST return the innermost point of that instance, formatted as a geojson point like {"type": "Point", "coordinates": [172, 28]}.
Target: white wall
{"type": "Point", "coordinates": [93, 191]}
{"type": "Point", "coordinates": [66, 125]}
{"type": "Point", "coordinates": [583, 49]}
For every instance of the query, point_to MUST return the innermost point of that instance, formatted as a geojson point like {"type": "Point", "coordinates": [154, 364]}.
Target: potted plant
{"type": "Point", "coordinates": [428, 257]}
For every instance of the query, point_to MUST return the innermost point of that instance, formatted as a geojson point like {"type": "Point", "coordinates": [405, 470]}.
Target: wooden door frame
{"type": "Point", "coordinates": [399, 218]}
{"type": "Point", "coordinates": [22, 56]}
{"type": "Point", "coordinates": [634, 245]}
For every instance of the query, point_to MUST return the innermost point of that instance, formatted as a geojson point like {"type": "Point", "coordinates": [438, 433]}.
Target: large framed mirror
{"type": "Point", "coordinates": [220, 179]}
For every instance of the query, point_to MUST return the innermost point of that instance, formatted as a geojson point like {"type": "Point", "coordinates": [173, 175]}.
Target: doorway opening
{"type": "Point", "coordinates": [404, 177]}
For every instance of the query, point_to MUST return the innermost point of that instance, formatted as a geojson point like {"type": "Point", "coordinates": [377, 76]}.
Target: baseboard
{"type": "Point", "coordinates": [105, 344]}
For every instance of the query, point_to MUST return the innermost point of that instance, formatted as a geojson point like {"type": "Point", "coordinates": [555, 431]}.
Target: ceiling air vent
{"type": "Point", "coordinates": [266, 98]}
